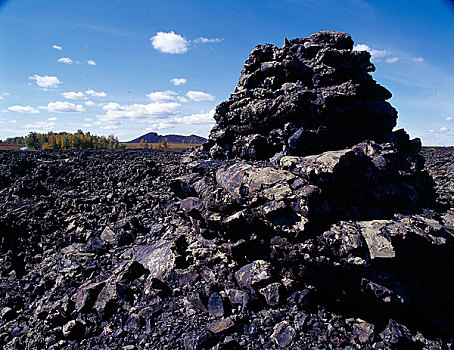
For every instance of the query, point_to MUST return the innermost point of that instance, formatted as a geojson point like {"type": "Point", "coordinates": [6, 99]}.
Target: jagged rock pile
{"type": "Point", "coordinates": [310, 96]}
{"type": "Point", "coordinates": [313, 192]}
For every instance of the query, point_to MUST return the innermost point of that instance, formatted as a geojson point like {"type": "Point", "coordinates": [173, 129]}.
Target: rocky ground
{"type": "Point", "coordinates": [98, 252]}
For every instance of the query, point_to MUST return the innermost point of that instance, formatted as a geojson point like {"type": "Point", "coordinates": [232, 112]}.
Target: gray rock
{"type": "Point", "coordinates": [216, 305]}
{"type": "Point", "coordinates": [377, 239]}
{"type": "Point", "coordinates": [283, 334]}
{"type": "Point", "coordinates": [221, 326]}
{"type": "Point", "coordinates": [159, 259]}
{"type": "Point", "coordinates": [363, 331]}
{"type": "Point", "coordinates": [272, 293]}
{"type": "Point", "coordinates": [257, 272]}
{"type": "Point", "coordinates": [86, 296]}
{"type": "Point", "coordinates": [74, 329]}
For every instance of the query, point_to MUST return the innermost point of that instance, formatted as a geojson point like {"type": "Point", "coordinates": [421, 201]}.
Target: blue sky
{"type": "Point", "coordinates": [126, 67]}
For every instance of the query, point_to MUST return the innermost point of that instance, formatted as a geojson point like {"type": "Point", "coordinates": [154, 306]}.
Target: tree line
{"type": "Point", "coordinates": [65, 140]}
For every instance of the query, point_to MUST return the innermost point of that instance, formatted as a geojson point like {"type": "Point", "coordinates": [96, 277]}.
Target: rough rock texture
{"type": "Point", "coordinates": [332, 237]}
{"type": "Point", "coordinates": [310, 96]}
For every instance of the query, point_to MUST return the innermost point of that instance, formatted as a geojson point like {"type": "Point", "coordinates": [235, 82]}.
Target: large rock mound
{"type": "Point", "coordinates": [310, 96]}
{"type": "Point", "coordinates": [310, 191]}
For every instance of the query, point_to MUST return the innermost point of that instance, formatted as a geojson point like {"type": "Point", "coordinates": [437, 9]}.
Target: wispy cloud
{"type": "Point", "coordinates": [72, 95]}
{"type": "Point", "coordinates": [45, 81]}
{"type": "Point", "coordinates": [51, 119]}
{"type": "Point", "coordinates": [139, 112]}
{"type": "Point", "coordinates": [418, 59]}
{"type": "Point", "coordinates": [23, 109]}
{"type": "Point", "coordinates": [199, 96]}
{"type": "Point", "coordinates": [93, 93]}
{"type": "Point", "coordinates": [197, 118]}
{"type": "Point", "coordinates": [57, 47]}
{"type": "Point", "coordinates": [91, 63]}
{"type": "Point", "coordinates": [63, 107]}
{"type": "Point", "coordinates": [202, 40]}
{"type": "Point", "coordinates": [67, 60]}
{"type": "Point", "coordinates": [178, 81]}
{"type": "Point", "coordinates": [448, 119]}
{"type": "Point", "coordinates": [167, 95]}
{"type": "Point", "coordinates": [39, 126]}
{"type": "Point", "coordinates": [392, 59]}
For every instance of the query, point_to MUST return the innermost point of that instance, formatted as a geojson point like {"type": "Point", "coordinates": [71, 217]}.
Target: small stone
{"type": "Point", "coordinates": [283, 334]}
{"type": "Point", "coordinates": [363, 331]}
{"type": "Point", "coordinates": [396, 334]}
{"type": "Point", "coordinates": [216, 305]}
{"type": "Point", "coordinates": [74, 329]}
{"type": "Point", "coordinates": [258, 271]}
{"type": "Point", "coordinates": [86, 296]}
{"type": "Point", "coordinates": [7, 314]}
{"type": "Point", "coordinates": [221, 326]}
{"type": "Point", "coordinates": [132, 324]}
{"type": "Point", "coordinates": [272, 293]}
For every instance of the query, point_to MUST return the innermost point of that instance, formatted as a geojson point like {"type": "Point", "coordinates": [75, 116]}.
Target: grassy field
{"type": "Point", "coordinates": [155, 145]}
{"type": "Point", "coordinates": [10, 147]}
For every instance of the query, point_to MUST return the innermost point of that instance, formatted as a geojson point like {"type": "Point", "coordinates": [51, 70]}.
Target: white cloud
{"type": "Point", "coordinates": [93, 93]}
{"type": "Point", "coordinates": [178, 81]}
{"type": "Point", "coordinates": [51, 119]}
{"type": "Point", "coordinates": [109, 127]}
{"type": "Point", "coordinates": [140, 112]}
{"type": "Point", "coordinates": [57, 47]}
{"type": "Point", "coordinates": [39, 126]}
{"type": "Point", "coordinates": [198, 118]}
{"type": "Point", "coordinates": [375, 54]}
{"type": "Point", "coordinates": [169, 43]}
{"type": "Point", "coordinates": [448, 119]}
{"type": "Point", "coordinates": [418, 59]}
{"type": "Point", "coordinates": [158, 126]}
{"type": "Point", "coordinates": [202, 40]}
{"type": "Point", "coordinates": [63, 107]}
{"type": "Point", "coordinates": [392, 59]}
{"type": "Point", "coordinates": [182, 99]}
{"type": "Point", "coordinates": [88, 119]}
{"type": "Point", "coordinates": [2, 98]}
{"type": "Point", "coordinates": [199, 96]}
{"type": "Point", "coordinates": [6, 94]}
{"type": "Point", "coordinates": [167, 95]}
{"type": "Point", "coordinates": [23, 109]}
{"type": "Point", "coordinates": [66, 60]}
{"type": "Point", "coordinates": [45, 81]}
{"type": "Point", "coordinates": [444, 129]}
{"type": "Point", "coordinates": [72, 95]}
{"type": "Point", "coordinates": [14, 121]}
{"type": "Point", "coordinates": [91, 63]}
{"type": "Point", "coordinates": [90, 103]}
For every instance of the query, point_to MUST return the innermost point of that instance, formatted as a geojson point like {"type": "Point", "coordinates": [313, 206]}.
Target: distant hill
{"type": "Point", "coordinates": [153, 137]}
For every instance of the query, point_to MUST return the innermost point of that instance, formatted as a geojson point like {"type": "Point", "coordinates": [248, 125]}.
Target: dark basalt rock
{"type": "Point", "coordinates": [310, 96]}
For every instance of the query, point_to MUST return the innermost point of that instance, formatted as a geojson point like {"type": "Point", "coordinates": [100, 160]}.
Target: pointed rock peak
{"type": "Point", "coordinates": [286, 43]}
